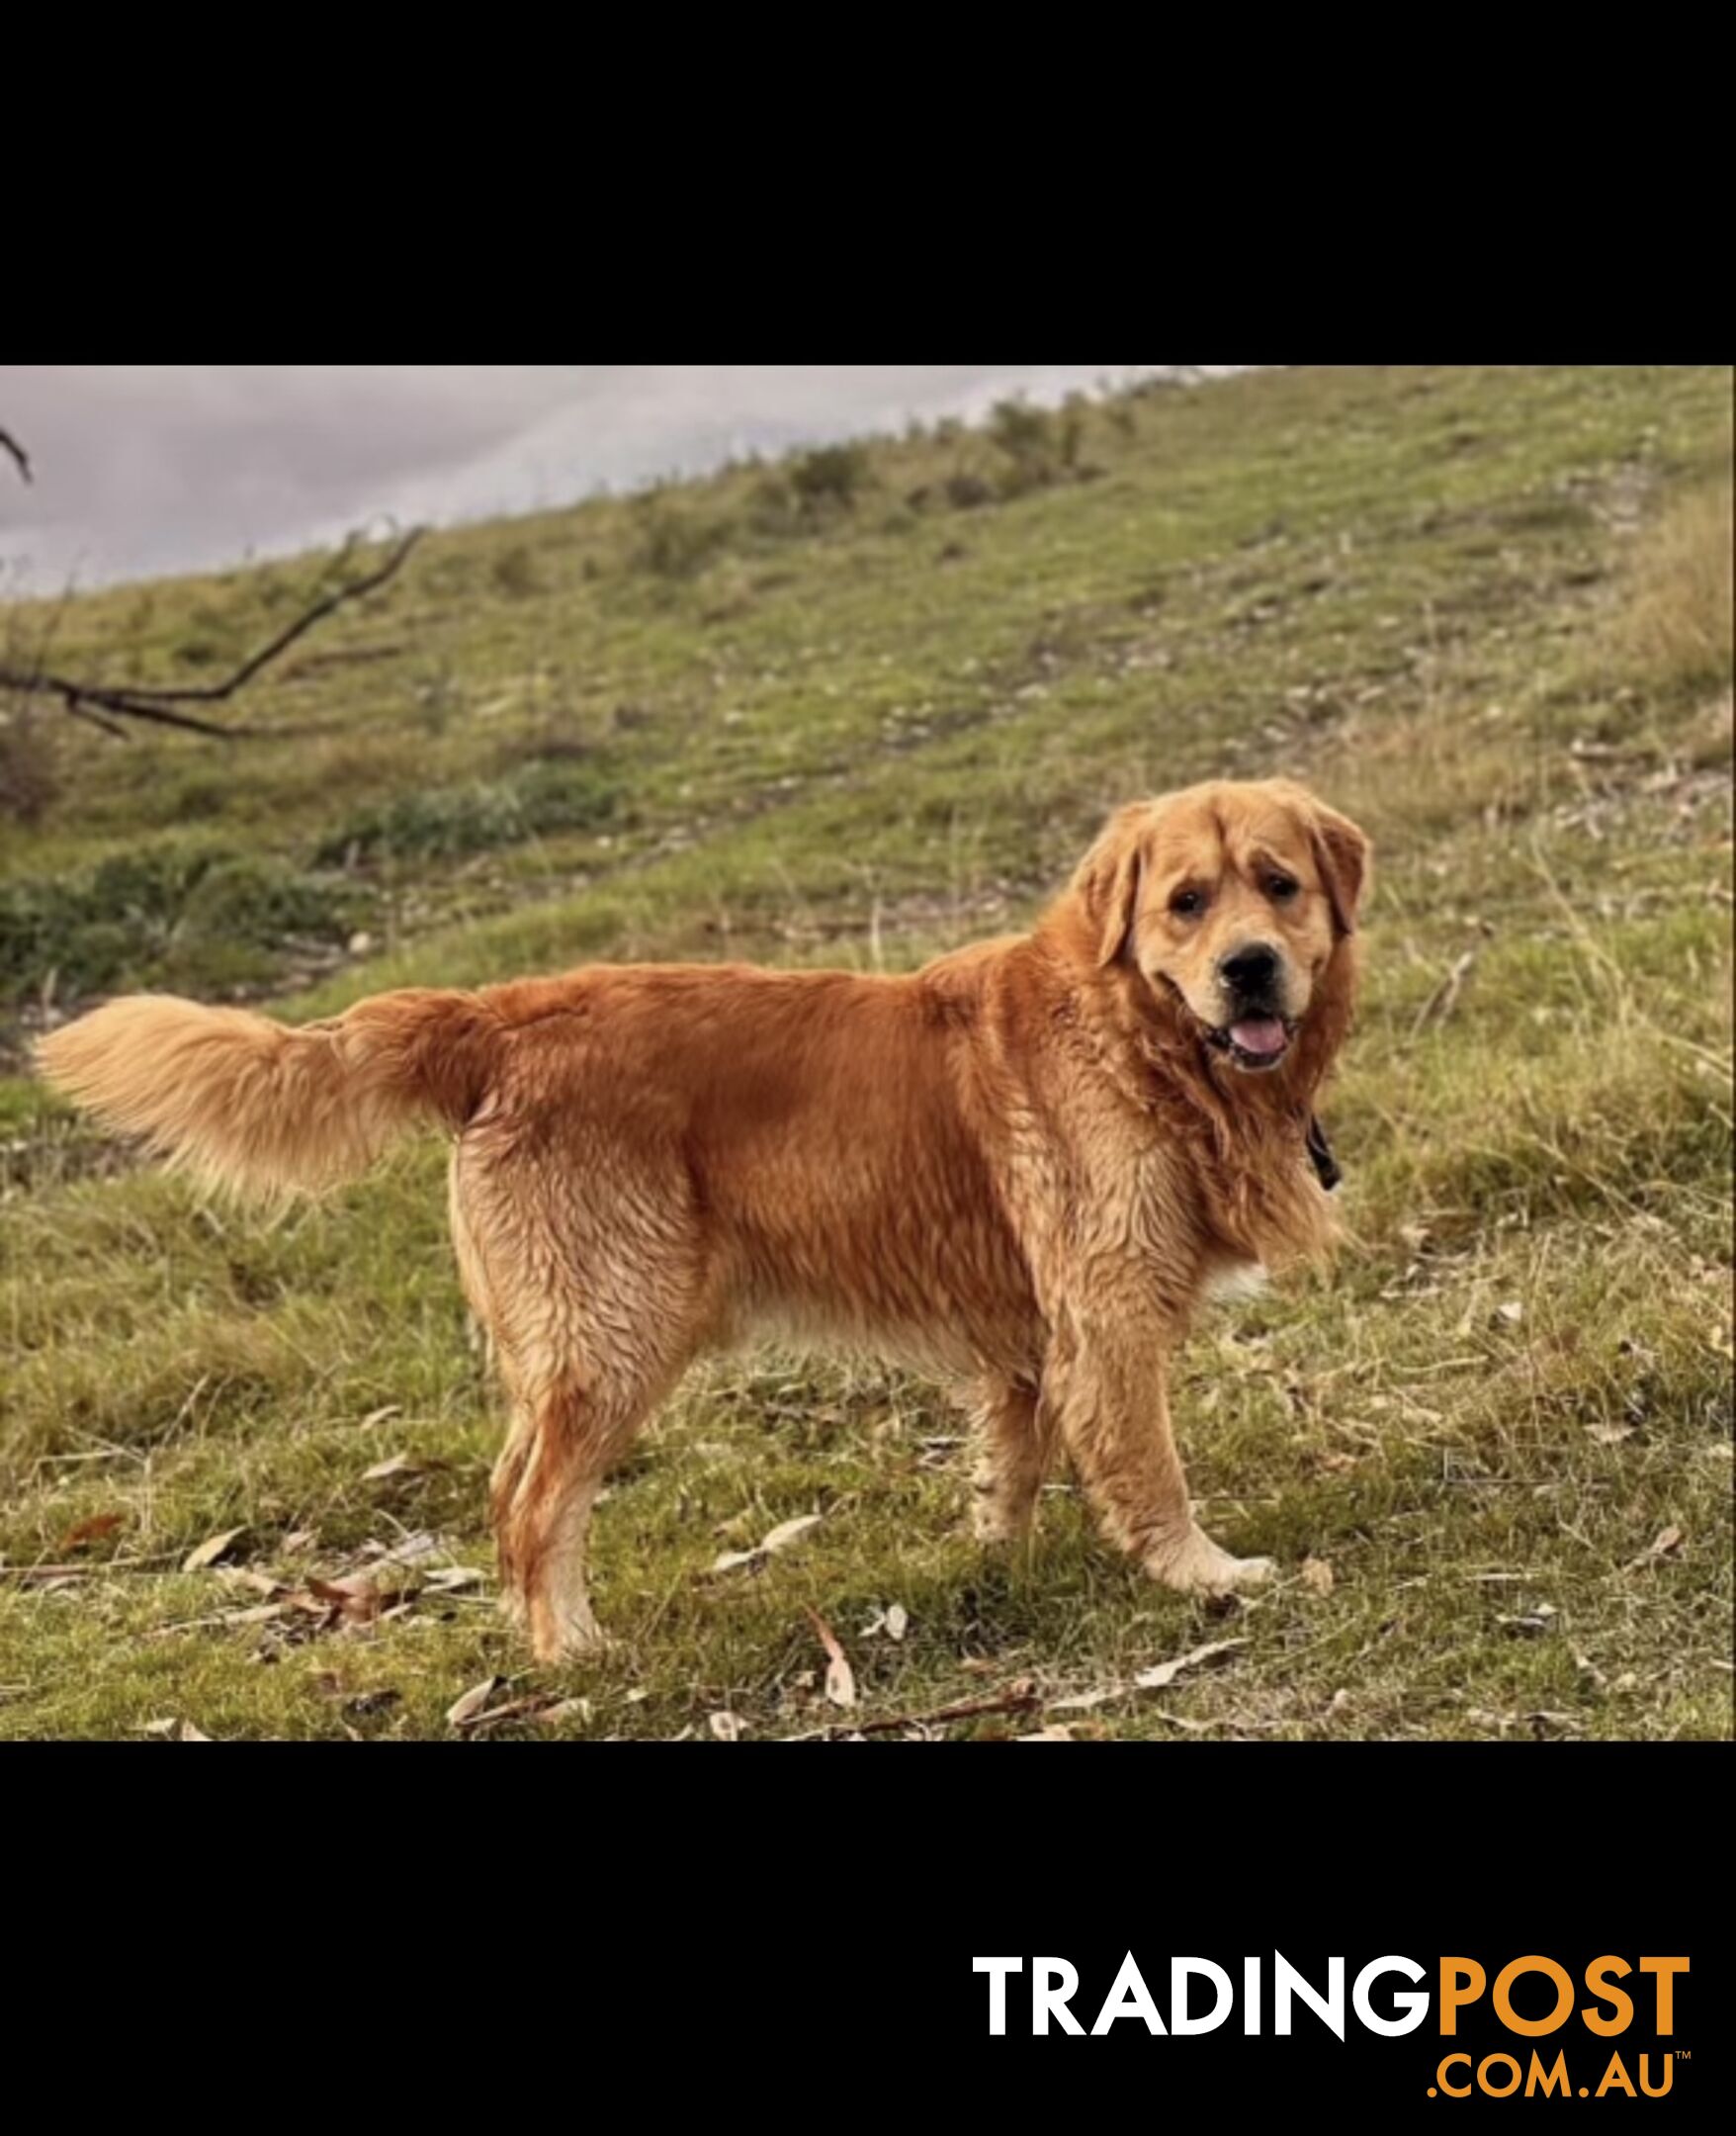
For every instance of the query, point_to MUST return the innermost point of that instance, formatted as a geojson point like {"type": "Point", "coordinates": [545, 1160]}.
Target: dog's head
{"type": "Point", "coordinates": [1231, 899]}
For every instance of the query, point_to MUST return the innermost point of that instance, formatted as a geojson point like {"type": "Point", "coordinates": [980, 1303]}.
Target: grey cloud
{"type": "Point", "coordinates": [146, 468]}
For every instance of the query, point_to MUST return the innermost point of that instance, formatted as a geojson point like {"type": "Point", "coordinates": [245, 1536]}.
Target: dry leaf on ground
{"type": "Point", "coordinates": [1165, 1673]}
{"type": "Point", "coordinates": [355, 1599]}
{"type": "Point", "coordinates": [475, 1701]}
{"type": "Point", "coordinates": [1151, 1679]}
{"type": "Point", "coordinates": [92, 1530]}
{"type": "Point", "coordinates": [207, 1553]}
{"type": "Point", "coordinates": [532, 1707]}
{"type": "Point", "coordinates": [841, 1678]}
{"type": "Point", "coordinates": [411, 1550]}
{"type": "Point", "coordinates": [780, 1537]}
{"type": "Point", "coordinates": [1666, 1541]}
{"type": "Point", "coordinates": [398, 1465]}
{"type": "Point", "coordinates": [235, 1576]}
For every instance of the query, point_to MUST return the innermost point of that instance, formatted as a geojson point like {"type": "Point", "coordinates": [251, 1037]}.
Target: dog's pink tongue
{"type": "Point", "coordinates": [1259, 1034]}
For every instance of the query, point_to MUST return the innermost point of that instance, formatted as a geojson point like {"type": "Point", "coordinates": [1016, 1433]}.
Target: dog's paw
{"type": "Point", "coordinates": [1197, 1565]}
{"type": "Point", "coordinates": [557, 1641]}
{"type": "Point", "coordinates": [994, 1524]}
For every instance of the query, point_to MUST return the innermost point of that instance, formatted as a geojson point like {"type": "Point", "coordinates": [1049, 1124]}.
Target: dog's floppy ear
{"type": "Point", "coordinates": [1341, 854]}
{"type": "Point", "coordinates": [1107, 881]}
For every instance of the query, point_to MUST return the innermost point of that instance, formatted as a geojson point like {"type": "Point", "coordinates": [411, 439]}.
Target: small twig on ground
{"type": "Point", "coordinates": [1444, 1000]}
{"type": "Point", "coordinates": [89, 1569]}
{"type": "Point", "coordinates": [1020, 1699]}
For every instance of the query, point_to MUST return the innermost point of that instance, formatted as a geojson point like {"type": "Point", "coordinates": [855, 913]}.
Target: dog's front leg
{"type": "Point", "coordinates": [1107, 1385]}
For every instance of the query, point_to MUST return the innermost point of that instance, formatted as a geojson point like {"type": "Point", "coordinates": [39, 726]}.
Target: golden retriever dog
{"type": "Point", "coordinates": [1024, 1165]}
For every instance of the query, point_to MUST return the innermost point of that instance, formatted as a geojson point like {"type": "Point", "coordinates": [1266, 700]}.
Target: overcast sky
{"type": "Point", "coordinates": [147, 468]}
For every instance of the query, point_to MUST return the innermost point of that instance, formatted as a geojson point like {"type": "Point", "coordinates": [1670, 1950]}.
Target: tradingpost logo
{"type": "Point", "coordinates": [1564, 2053]}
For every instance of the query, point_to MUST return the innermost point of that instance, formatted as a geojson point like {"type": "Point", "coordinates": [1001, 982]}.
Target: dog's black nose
{"type": "Point", "coordinates": [1252, 969]}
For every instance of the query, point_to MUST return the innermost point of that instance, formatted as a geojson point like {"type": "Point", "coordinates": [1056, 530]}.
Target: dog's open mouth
{"type": "Point", "coordinates": [1255, 1042]}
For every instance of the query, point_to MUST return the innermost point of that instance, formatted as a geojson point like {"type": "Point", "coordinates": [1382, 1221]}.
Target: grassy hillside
{"type": "Point", "coordinates": [858, 708]}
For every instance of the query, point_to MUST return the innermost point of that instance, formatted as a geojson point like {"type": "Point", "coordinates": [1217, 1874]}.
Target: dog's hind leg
{"type": "Point", "coordinates": [545, 1486]}
{"type": "Point", "coordinates": [1016, 1439]}
{"type": "Point", "coordinates": [565, 1439]}
{"type": "Point", "coordinates": [593, 1283]}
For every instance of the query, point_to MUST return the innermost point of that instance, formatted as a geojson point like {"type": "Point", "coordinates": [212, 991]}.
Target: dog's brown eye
{"type": "Point", "coordinates": [1188, 902]}
{"type": "Point", "coordinates": [1282, 887]}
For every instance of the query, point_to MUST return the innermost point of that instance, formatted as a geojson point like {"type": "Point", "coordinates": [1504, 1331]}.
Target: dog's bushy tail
{"type": "Point", "coordinates": [265, 1110]}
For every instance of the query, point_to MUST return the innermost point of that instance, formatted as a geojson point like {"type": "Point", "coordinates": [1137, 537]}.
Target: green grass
{"type": "Point", "coordinates": [857, 711]}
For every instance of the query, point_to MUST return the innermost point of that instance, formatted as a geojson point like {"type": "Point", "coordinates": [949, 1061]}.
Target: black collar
{"type": "Point", "coordinates": [1326, 1164]}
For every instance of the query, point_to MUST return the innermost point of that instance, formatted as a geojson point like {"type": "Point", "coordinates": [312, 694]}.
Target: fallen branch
{"type": "Point", "coordinates": [107, 704]}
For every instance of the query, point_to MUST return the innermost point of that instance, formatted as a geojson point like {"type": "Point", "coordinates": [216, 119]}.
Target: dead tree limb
{"type": "Point", "coordinates": [106, 704]}
{"type": "Point", "coordinates": [10, 445]}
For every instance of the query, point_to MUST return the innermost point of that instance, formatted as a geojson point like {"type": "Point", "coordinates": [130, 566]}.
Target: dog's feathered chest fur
{"type": "Point", "coordinates": [1252, 1150]}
